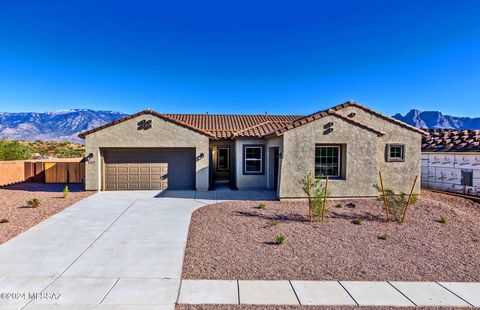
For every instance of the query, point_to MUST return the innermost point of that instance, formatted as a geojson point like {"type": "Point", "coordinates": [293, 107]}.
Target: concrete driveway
{"type": "Point", "coordinates": [111, 249]}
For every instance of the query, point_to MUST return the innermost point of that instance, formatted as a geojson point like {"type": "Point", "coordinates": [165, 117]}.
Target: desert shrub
{"type": "Point", "coordinates": [338, 205]}
{"type": "Point", "coordinates": [280, 239]}
{"type": "Point", "coordinates": [357, 222]}
{"type": "Point", "coordinates": [14, 150]}
{"type": "Point", "coordinates": [396, 203]}
{"type": "Point", "coordinates": [476, 239]}
{"type": "Point", "coordinates": [3, 221]}
{"type": "Point", "coordinates": [443, 219]}
{"type": "Point", "coordinates": [33, 203]}
{"type": "Point", "coordinates": [383, 237]}
{"type": "Point", "coordinates": [70, 153]}
{"type": "Point", "coordinates": [261, 205]}
{"type": "Point", "coordinates": [316, 196]}
{"type": "Point", "coordinates": [65, 191]}
{"type": "Point", "coordinates": [271, 223]}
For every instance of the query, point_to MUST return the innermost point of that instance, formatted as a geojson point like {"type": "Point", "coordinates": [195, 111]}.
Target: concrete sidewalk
{"type": "Point", "coordinates": [113, 248]}
{"type": "Point", "coordinates": [330, 293]}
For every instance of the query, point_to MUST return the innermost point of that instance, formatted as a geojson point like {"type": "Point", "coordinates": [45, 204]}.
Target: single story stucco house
{"type": "Point", "coordinates": [349, 142]}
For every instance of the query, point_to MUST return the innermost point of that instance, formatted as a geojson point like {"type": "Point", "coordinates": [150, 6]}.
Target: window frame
{"type": "Point", "coordinates": [218, 158]}
{"type": "Point", "coordinates": [339, 160]}
{"type": "Point", "coordinates": [262, 159]}
{"type": "Point", "coordinates": [395, 159]}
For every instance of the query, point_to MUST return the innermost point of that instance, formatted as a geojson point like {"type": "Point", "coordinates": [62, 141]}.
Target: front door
{"type": "Point", "coordinates": [276, 159]}
{"type": "Point", "coordinates": [223, 164]}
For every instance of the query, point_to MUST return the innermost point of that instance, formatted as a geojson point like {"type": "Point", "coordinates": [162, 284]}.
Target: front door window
{"type": "Point", "coordinates": [223, 159]}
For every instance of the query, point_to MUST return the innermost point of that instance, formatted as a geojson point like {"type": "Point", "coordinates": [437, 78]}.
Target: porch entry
{"type": "Point", "coordinates": [223, 165]}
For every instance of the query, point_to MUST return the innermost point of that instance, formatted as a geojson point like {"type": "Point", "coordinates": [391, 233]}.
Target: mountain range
{"type": "Point", "coordinates": [62, 125]}
{"type": "Point", "coordinates": [67, 124]}
{"type": "Point", "coordinates": [437, 120]}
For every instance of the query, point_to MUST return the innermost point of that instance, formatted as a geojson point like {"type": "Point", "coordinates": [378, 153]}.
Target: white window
{"type": "Point", "coordinates": [327, 161]}
{"type": "Point", "coordinates": [253, 160]}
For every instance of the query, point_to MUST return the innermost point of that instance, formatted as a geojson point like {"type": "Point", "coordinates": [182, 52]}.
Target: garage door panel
{"type": "Point", "coordinates": [134, 169]}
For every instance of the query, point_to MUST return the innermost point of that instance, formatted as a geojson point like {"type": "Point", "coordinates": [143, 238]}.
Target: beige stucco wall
{"type": "Point", "coordinates": [398, 176]}
{"type": "Point", "coordinates": [250, 181]}
{"type": "Point", "coordinates": [359, 147]}
{"type": "Point", "coordinates": [262, 181]}
{"type": "Point", "coordinates": [162, 134]}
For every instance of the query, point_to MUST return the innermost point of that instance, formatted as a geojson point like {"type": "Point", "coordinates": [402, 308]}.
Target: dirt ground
{"type": "Point", "coordinates": [231, 240]}
{"type": "Point", "coordinates": [14, 209]}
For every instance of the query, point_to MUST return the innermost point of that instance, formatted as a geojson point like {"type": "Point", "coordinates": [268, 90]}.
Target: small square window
{"type": "Point", "coordinates": [395, 152]}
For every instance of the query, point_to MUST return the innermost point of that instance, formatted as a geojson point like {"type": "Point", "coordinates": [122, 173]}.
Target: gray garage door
{"type": "Point", "coordinates": [159, 168]}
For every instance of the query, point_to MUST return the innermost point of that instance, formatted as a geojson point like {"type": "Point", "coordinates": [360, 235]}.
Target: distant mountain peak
{"type": "Point", "coordinates": [437, 120]}
{"type": "Point", "coordinates": [61, 125]}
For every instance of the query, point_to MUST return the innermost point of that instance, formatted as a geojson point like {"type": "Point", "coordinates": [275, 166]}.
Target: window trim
{"type": "Point", "coordinates": [262, 159]}
{"type": "Point", "coordinates": [339, 147]}
{"type": "Point", "coordinates": [218, 158]}
{"type": "Point", "coordinates": [395, 159]}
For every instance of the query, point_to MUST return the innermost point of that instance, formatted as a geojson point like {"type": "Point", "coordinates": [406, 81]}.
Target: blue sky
{"type": "Point", "coordinates": [291, 57]}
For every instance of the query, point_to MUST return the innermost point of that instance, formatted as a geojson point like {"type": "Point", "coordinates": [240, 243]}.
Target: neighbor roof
{"type": "Point", "coordinates": [226, 126]}
{"type": "Point", "coordinates": [448, 140]}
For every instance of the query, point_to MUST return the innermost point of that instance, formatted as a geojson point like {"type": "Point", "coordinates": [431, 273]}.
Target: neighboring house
{"type": "Point", "coordinates": [451, 161]}
{"type": "Point", "coordinates": [349, 142]}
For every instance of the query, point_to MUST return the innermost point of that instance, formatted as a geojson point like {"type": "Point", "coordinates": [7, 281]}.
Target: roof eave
{"type": "Point", "coordinates": [151, 112]}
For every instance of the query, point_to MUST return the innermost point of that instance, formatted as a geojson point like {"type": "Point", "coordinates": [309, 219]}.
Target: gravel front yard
{"type": "Point", "coordinates": [231, 241]}
{"type": "Point", "coordinates": [20, 218]}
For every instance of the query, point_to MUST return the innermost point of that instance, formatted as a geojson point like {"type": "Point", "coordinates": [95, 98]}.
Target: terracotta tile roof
{"type": "Point", "coordinates": [216, 126]}
{"type": "Point", "coordinates": [318, 115]}
{"type": "Point", "coordinates": [448, 140]}
{"type": "Point", "coordinates": [227, 126]}
{"type": "Point", "coordinates": [162, 116]}
{"type": "Point", "coordinates": [230, 125]}
{"type": "Point", "coordinates": [261, 130]}
{"type": "Point", "coordinates": [385, 117]}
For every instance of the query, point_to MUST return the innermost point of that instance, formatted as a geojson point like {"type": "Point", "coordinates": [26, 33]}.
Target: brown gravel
{"type": "Point", "coordinates": [229, 241]}
{"type": "Point", "coordinates": [20, 218]}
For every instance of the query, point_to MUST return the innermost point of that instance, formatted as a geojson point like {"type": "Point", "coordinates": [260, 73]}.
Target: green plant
{"type": "Point", "coordinates": [65, 191]}
{"type": "Point", "coordinates": [33, 203]}
{"type": "Point", "coordinates": [69, 153]}
{"type": "Point", "coordinates": [338, 205]}
{"type": "Point", "coordinates": [357, 222]}
{"type": "Point", "coordinates": [3, 221]}
{"type": "Point", "coordinates": [317, 196]}
{"type": "Point", "coordinates": [14, 150]}
{"type": "Point", "coordinates": [271, 223]}
{"type": "Point", "coordinates": [280, 239]}
{"type": "Point", "coordinates": [396, 203]}
{"type": "Point", "coordinates": [383, 237]}
{"type": "Point", "coordinates": [443, 219]}
{"type": "Point", "coordinates": [261, 205]}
